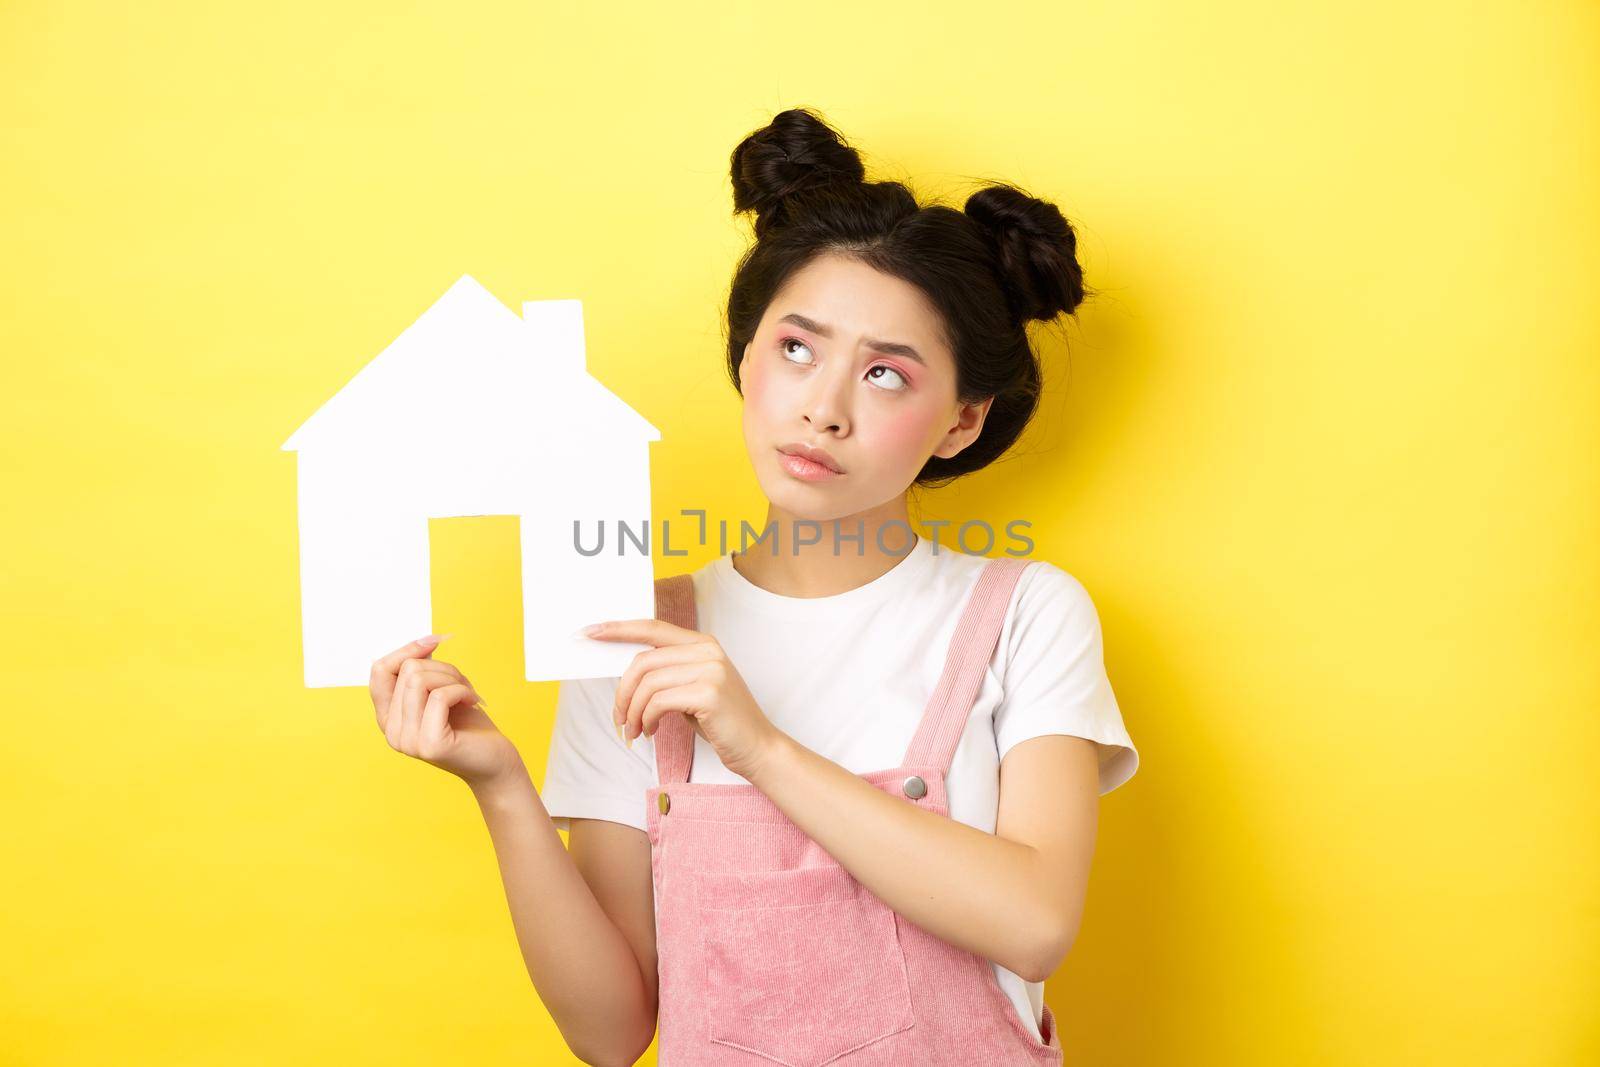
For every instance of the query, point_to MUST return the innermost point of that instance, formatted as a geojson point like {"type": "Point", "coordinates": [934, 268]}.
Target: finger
{"type": "Point", "coordinates": [391, 714]}
{"type": "Point", "coordinates": [406, 669]}
{"type": "Point", "coordinates": [436, 716]}
{"type": "Point", "coordinates": [439, 667]}
{"type": "Point", "coordinates": [436, 672]}
{"type": "Point", "coordinates": [419, 687]}
{"type": "Point", "coordinates": [435, 677]}
{"type": "Point", "coordinates": [395, 728]}
{"type": "Point", "coordinates": [687, 699]}
{"type": "Point", "coordinates": [649, 660]}
{"type": "Point", "coordinates": [425, 676]}
{"type": "Point", "coordinates": [397, 709]}
{"type": "Point", "coordinates": [381, 679]}
{"type": "Point", "coordinates": [645, 631]}
{"type": "Point", "coordinates": [651, 684]}
{"type": "Point", "coordinates": [416, 687]}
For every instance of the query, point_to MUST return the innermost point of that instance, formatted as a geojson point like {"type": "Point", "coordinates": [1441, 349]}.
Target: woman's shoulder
{"type": "Point", "coordinates": [1041, 583]}
{"type": "Point", "coordinates": [1044, 580]}
{"type": "Point", "coordinates": [1051, 605]}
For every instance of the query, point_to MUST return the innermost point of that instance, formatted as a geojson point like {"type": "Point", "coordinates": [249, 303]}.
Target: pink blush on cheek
{"type": "Point", "coordinates": [752, 379]}
{"type": "Point", "coordinates": [903, 435]}
{"type": "Point", "coordinates": [757, 397]}
{"type": "Point", "coordinates": [767, 401]}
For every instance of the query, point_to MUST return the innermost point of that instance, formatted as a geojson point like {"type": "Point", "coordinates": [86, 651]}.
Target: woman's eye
{"type": "Point", "coordinates": [901, 378]}
{"type": "Point", "coordinates": [893, 384]}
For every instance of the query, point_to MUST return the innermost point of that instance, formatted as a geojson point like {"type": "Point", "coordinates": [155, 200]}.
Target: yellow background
{"type": "Point", "coordinates": [1325, 456]}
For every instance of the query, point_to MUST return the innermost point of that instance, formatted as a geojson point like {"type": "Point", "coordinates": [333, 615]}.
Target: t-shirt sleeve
{"type": "Point", "coordinates": [590, 773]}
{"type": "Point", "coordinates": [1055, 677]}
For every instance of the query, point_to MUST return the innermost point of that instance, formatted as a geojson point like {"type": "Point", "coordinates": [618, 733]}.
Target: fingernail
{"type": "Point", "coordinates": [433, 639]}
{"type": "Point", "coordinates": [618, 727]}
{"type": "Point", "coordinates": [630, 744]}
{"type": "Point", "coordinates": [587, 631]}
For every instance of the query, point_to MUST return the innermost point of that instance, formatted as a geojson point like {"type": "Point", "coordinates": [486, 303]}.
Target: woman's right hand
{"type": "Point", "coordinates": [426, 708]}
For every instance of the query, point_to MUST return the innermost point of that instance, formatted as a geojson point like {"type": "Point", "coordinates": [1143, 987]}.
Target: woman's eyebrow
{"type": "Point", "coordinates": [889, 348]}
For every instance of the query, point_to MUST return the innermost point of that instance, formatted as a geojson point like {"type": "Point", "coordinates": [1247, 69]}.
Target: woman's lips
{"type": "Point", "coordinates": [804, 469]}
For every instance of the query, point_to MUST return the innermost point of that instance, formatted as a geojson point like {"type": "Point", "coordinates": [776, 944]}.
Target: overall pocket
{"type": "Point", "coordinates": [802, 966]}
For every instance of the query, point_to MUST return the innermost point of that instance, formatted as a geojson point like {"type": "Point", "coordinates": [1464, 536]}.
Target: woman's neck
{"type": "Point", "coordinates": [800, 557]}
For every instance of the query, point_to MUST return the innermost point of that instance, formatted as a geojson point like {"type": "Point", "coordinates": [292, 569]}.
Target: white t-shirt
{"type": "Point", "coordinates": [848, 676]}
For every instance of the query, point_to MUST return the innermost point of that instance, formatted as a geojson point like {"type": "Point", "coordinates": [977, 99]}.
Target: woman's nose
{"type": "Point", "coordinates": [825, 414]}
{"type": "Point", "coordinates": [826, 407]}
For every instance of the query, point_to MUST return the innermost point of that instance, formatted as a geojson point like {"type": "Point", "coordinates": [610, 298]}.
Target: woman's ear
{"type": "Point", "coordinates": [969, 424]}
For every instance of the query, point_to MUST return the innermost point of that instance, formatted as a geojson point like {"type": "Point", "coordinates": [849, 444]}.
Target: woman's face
{"type": "Point", "coordinates": [851, 361]}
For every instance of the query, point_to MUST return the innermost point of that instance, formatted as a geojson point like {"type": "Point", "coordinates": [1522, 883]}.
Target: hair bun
{"type": "Point", "coordinates": [1035, 250]}
{"type": "Point", "coordinates": [796, 152]}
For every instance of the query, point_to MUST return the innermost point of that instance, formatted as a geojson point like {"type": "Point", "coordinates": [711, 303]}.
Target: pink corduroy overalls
{"type": "Point", "coordinates": [771, 952]}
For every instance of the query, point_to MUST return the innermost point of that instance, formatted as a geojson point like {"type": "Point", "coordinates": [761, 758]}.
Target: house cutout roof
{"type": "Point", "coordinates": [469, 368]}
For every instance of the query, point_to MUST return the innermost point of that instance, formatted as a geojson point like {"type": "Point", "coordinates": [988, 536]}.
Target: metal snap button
{"type": "Point", "coordinates": [915, 787]}
{"type": "Point", "coordinates": [663, 802]}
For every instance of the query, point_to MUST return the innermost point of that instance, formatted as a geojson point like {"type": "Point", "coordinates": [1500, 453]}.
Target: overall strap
{"type": "Point", "coordinates": [674, 736]}
{"type": "Point", "coordinates": [971, 649]}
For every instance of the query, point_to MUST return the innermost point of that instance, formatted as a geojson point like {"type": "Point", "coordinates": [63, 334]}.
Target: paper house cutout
{"type": "Point", "coordinates": [473, 411]}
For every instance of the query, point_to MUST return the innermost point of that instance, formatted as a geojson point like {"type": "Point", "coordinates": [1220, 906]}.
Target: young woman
{"type": "Point", "coordinates": [843, 809]}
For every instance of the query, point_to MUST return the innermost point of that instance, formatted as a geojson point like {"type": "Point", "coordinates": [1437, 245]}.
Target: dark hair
{"type": "Point", "coordinates": [1005, 260]}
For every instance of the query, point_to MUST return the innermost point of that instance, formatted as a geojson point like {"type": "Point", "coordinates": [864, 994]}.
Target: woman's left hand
{"type": "Point", "coordinates": [688, 671]}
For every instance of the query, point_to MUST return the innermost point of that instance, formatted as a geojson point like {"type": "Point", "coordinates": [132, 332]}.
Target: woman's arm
{"type": "Point", "coordinates": [589, 975]}
{"type": "Point", "coordinates": [1014, 896]}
